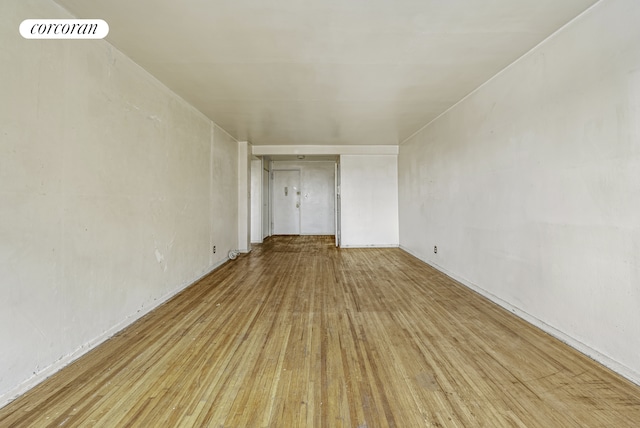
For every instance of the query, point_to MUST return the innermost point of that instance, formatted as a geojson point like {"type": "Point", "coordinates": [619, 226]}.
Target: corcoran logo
{"type": "Point", "coordinates": [64, 29]}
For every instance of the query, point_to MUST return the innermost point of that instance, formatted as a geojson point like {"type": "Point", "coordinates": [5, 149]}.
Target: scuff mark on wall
{"type": "Point", "coordinates": [128, 104]}
{"type": "Point", "coordinates": [160, 259]}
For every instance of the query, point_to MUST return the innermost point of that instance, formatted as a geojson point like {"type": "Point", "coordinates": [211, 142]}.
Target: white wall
{"type": "Point", "coordinates": [107, 181]}
{"type": "Point", "coordinates": [369, 209]}
{"type": "Point", "coordinates": [256, 201]}
{"type": "Point", "coordinates": [224, 194]}
{"type": "Point", "coordinates": [317, 185]}
{"type": "Point", "coordinates": [530, 187]}
{"type": "Point", "coordinates": [308, 149]}
{"type": "Point", "coordinates": [244, 197]}
{"type": "Point", "coordinates": [266, 200]}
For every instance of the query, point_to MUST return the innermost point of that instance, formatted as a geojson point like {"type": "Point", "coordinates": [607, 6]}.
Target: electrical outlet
{"type": "Point", "coordinates": [435, 249]}
{"type": "Point", "coordinates": [214, 249]}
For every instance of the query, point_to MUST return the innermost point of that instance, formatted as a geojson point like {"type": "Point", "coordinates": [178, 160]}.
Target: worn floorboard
{"type": "Point", "coordinates": [301, 334]}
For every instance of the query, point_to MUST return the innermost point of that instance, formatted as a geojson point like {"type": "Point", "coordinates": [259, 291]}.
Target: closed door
{"type": "Point", "coordinates": [286, 202]}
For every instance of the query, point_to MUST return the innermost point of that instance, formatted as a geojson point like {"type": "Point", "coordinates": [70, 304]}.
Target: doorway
{"type": "Point", "coordinates": [286, 202]}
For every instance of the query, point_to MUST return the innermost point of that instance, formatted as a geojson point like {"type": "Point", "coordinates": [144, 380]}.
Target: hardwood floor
{"type": "Point", "coordinates": [301, 334]}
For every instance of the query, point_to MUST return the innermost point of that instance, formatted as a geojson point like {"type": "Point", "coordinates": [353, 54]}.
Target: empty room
{"type": "Point", "coordinates": [244, 213]}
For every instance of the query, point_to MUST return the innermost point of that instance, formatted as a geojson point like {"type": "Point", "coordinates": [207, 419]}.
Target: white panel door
{"type": "Point", "coordinates": [286, 202]}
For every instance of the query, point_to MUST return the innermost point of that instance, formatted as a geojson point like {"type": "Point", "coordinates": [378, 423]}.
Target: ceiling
{"type": "Point", "coordinates": [325, 72]}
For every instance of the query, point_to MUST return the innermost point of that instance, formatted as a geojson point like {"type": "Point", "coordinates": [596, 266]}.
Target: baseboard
{"type": "Point", "coordinates": [590, 352]}
{"type": "Point", "coordinates": [318, 234]}
{"type": "Point", "coordinates": [48, 371]}
{"type": "Point", "coordinates": [369, 246]}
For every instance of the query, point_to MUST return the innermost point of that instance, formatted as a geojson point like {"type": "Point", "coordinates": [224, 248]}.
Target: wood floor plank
{"type": "Point", "coordinates": [299, 333]}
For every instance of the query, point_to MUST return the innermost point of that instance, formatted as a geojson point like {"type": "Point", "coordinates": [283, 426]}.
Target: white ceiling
{"type": "Point", "coordinates": [326, 72]}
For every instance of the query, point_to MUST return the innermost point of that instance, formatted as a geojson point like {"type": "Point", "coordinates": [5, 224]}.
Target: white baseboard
{"type": "Point", "coordinates": [58, 365]}
{"type": "Point", "coordinates": [369, 246]}
{"type": "Point", "coordinates": [590, 352]}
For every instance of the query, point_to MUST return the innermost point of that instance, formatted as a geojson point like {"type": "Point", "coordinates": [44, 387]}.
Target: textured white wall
{"type": "Point", "coordinates": [530, 187]}
{"type": "Point", "coordinates": [111, 194]}
{"type": "Point", "coordinates": [266, 202]}
{"type": "Point", "coordinates": [317, 205]}
{"type": "Point", "coordinates": [369, 208]}
{"type": "Point", "coordinates": [256, 201]}
{"type": "Point", "coordinates": [244, 197]}
{"type": "Point", "coordinates": [224, 194]}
